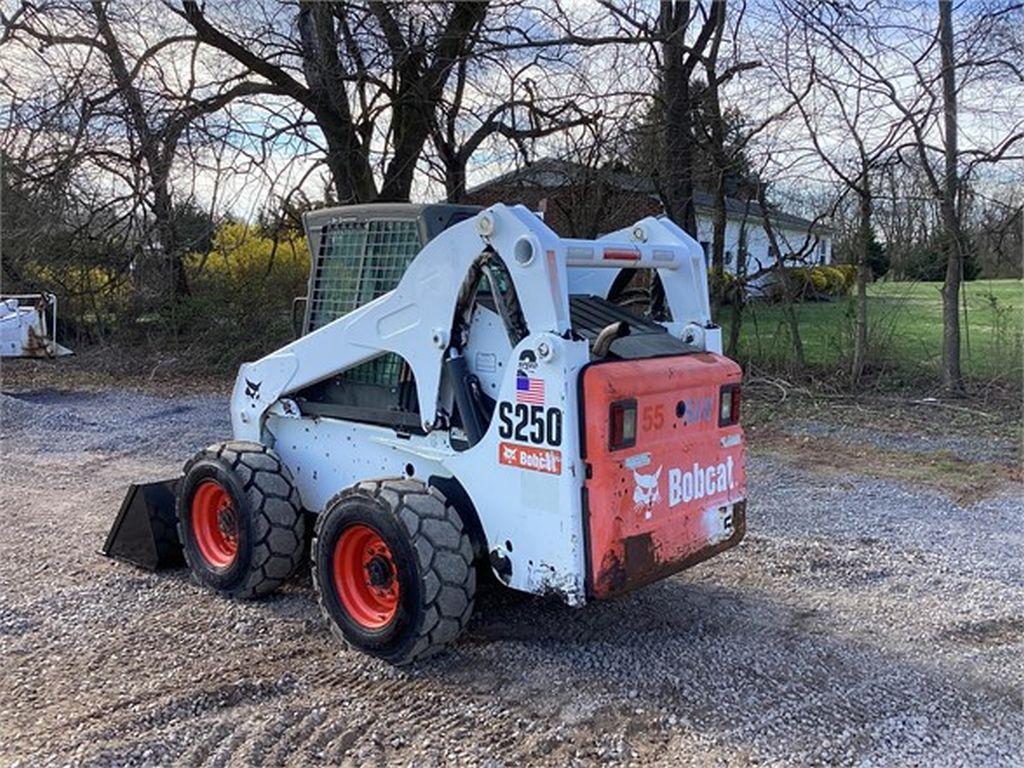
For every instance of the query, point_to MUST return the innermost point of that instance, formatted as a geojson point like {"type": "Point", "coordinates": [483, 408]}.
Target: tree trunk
{"type": "Point", "coordinates": [952, 378]}
{"type": "Point", "coordinates": [788, 297]}
{"type": "Point", "coordinates": [722, 168]}
{"type": "Point", "coordinates": [789, 312]}
{"type": "Point", "coordinates": [739, 294]}
{"type": "Point", "coordinates": [323, 69]}
{"type": "Point", "coordinates": [350, 170]}
{"type": "Point", "coordinates": [455, 179]}
{"type": "Point", "coordinates": [860, 321]}
{"type": "Point", "coordinates": [735, 326]}
{"type": "Point", "coordinates": [454, 162]}
{"type": "Point", "coordinates": [157, 158]}
{"type": "Point", "coordinates": [163, 213]}
{"type": "Point", "coordinates": [718, 247]}
{"type": "Point", "coordinates": [675, 90]}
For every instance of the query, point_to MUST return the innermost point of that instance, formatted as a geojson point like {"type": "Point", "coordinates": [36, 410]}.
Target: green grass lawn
{"type": "Point", "coordinates": [905, 329]}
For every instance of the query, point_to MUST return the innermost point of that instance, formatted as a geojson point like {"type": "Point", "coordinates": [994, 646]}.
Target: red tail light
{"type": "Point", "coordinates": [611, 254]}
{"type": "Point", "coordinates": [622, 425]}
{"type": "Point", "coordinates": [729, 405]}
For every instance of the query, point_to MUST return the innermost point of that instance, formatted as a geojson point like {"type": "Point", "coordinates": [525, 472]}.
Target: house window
{"type": "Point", "coordinates": [822, 252]}
{"type": "Point", "coordinates": [728, 258]}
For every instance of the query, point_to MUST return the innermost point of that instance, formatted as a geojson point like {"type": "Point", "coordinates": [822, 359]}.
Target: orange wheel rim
{"type": "Point", "coordinates": [365, 577]}
{"type": "Point", "coordinates": [215, 524]}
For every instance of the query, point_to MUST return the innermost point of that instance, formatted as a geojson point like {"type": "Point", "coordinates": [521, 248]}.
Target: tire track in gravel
{"type": "Point", "coordinates": [297, 738]}
{"type": "Point", "coordinates": [204, 750]}
{"type": "Point", "coordinates": [334, 738]}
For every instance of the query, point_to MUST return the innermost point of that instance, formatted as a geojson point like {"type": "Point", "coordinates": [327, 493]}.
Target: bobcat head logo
{"type": "Point", "coordinates": [646, 494]}
{"type": "Point", "coordinates": [252, 388]}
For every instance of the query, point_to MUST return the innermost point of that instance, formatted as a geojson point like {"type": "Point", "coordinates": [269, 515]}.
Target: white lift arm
{"type": "Point", "coordinates": [415, 319]}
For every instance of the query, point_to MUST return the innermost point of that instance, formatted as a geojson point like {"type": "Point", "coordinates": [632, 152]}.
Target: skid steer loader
{"type": "Point", "coordinates": [468, 394]}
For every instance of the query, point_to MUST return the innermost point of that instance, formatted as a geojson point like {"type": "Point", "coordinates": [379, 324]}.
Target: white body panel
{"type": "Point", "coordinates": [488, 350]}
{"type": "Point", "coordinates": [537, 512]}
{"type": "Point", "coordinates": [325, 456]}
{"type": "Point", "coordinates": [524, 479]}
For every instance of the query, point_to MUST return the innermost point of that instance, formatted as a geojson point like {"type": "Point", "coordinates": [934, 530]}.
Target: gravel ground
{"type": "Point", "coordinates": [994, 449]}
{"type": "Point", "coordinates": [862, 622]}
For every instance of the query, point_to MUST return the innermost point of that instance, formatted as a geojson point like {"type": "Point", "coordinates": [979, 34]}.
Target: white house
{"type": "Point", "coordinates": [795, 235]}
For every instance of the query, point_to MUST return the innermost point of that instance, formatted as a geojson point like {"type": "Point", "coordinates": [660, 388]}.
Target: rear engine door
{"type": "Point", "coordinates": [665, 481]}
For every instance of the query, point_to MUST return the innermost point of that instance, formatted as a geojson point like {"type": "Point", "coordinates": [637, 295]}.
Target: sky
{"type": "Point", "coordinates": [224, 177]}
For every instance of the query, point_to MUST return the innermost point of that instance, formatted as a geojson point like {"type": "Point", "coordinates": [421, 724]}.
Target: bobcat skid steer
{"type": "Point", "coordinates": [467, 394]}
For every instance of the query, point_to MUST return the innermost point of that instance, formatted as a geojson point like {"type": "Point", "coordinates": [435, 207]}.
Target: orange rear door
{"type": "Point", "coordinates": [675, 496]}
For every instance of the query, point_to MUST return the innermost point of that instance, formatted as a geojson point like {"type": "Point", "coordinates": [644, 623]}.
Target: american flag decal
{"type": "Point", "coordinates": [529, 391]}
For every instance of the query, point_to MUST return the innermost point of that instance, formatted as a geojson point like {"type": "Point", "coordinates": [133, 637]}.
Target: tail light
{"type": "Point", "coordinates": [622, 426]}
{"type": "Point", "coordinates": [729, 405]}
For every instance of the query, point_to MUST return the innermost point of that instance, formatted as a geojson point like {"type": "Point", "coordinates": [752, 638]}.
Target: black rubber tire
{"type": "Point", "coordinates": [272, 525]}
{"type": "Point", "coordinates": [433, 558]}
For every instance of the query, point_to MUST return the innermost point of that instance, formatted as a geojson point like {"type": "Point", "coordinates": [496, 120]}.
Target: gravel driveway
{"type": "Point", "coordinates": [862, 622]}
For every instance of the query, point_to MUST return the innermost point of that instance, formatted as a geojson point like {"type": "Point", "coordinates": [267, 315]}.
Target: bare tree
{"type": "Point", "coordinates": [679, 40]}
{"type": "Point", "coordinates": [786, 254]}
{"type": "Point", "coordinates": [848, 126]}
{"type": "Point", "coordinates": [952, 377]}
{"type": "Point", "coordinates": [373, 75]}
{"type": "Point", "coordinates": [135, 98]}
{"type": "Point", "coordinates": [715, 142]}
{"type": "Point", "coordinates": [923, 71]}
{"type": "Point", "coordinates": [462, 127]}
{"type": "Point", "coordinates": [680, 59]}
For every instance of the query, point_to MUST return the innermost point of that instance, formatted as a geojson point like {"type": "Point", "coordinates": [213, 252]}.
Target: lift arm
{"type": "Point", "coordinates": [415, 319]}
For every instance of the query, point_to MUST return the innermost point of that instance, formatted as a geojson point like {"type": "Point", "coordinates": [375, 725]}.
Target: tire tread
{"type": "Point", "coordinates": [413, 504]}
{"type": "Point", "coordinates": [275, 559]}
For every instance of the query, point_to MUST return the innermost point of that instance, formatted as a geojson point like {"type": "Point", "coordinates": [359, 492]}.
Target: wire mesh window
{"type": "Point", "coordinates": [357, 262]}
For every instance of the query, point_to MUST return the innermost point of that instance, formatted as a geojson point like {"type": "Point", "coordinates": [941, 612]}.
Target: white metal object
{"type": "Point", "coordinates": [28, 323]}
{"type": "Point", "coordinates": [527, 498]}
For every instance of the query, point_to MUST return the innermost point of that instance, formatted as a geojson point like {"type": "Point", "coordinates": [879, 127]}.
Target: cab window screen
{"type": "Point", "coordinates": [357, 262]}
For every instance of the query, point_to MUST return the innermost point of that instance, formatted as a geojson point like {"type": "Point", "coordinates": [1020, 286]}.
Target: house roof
{"type": "Point", "coordinates": [552, 173]}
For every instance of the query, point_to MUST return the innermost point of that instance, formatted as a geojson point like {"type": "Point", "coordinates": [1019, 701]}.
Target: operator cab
{"type": "Point", "coordinates": [360, 252]}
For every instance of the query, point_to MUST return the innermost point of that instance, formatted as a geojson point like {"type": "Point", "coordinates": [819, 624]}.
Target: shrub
{"type": "Point", "coordinates": [242, 291]}
{"type": "Point", "coordinates": [819, 280]}
{"type": "Point", "coordinates": [849, 273]}
{"type": "Point", "coordinates": [93, 297]}
{"type": "Point", "coordinates": [799, 280]}
{"type": "Point", "coordinates": [837, 285]}
{"type": "Point", "coordinates": [809, 283]}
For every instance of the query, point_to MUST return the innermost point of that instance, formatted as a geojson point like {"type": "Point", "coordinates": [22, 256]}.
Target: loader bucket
{"type": "Point", "coordinates": [145, 532]}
